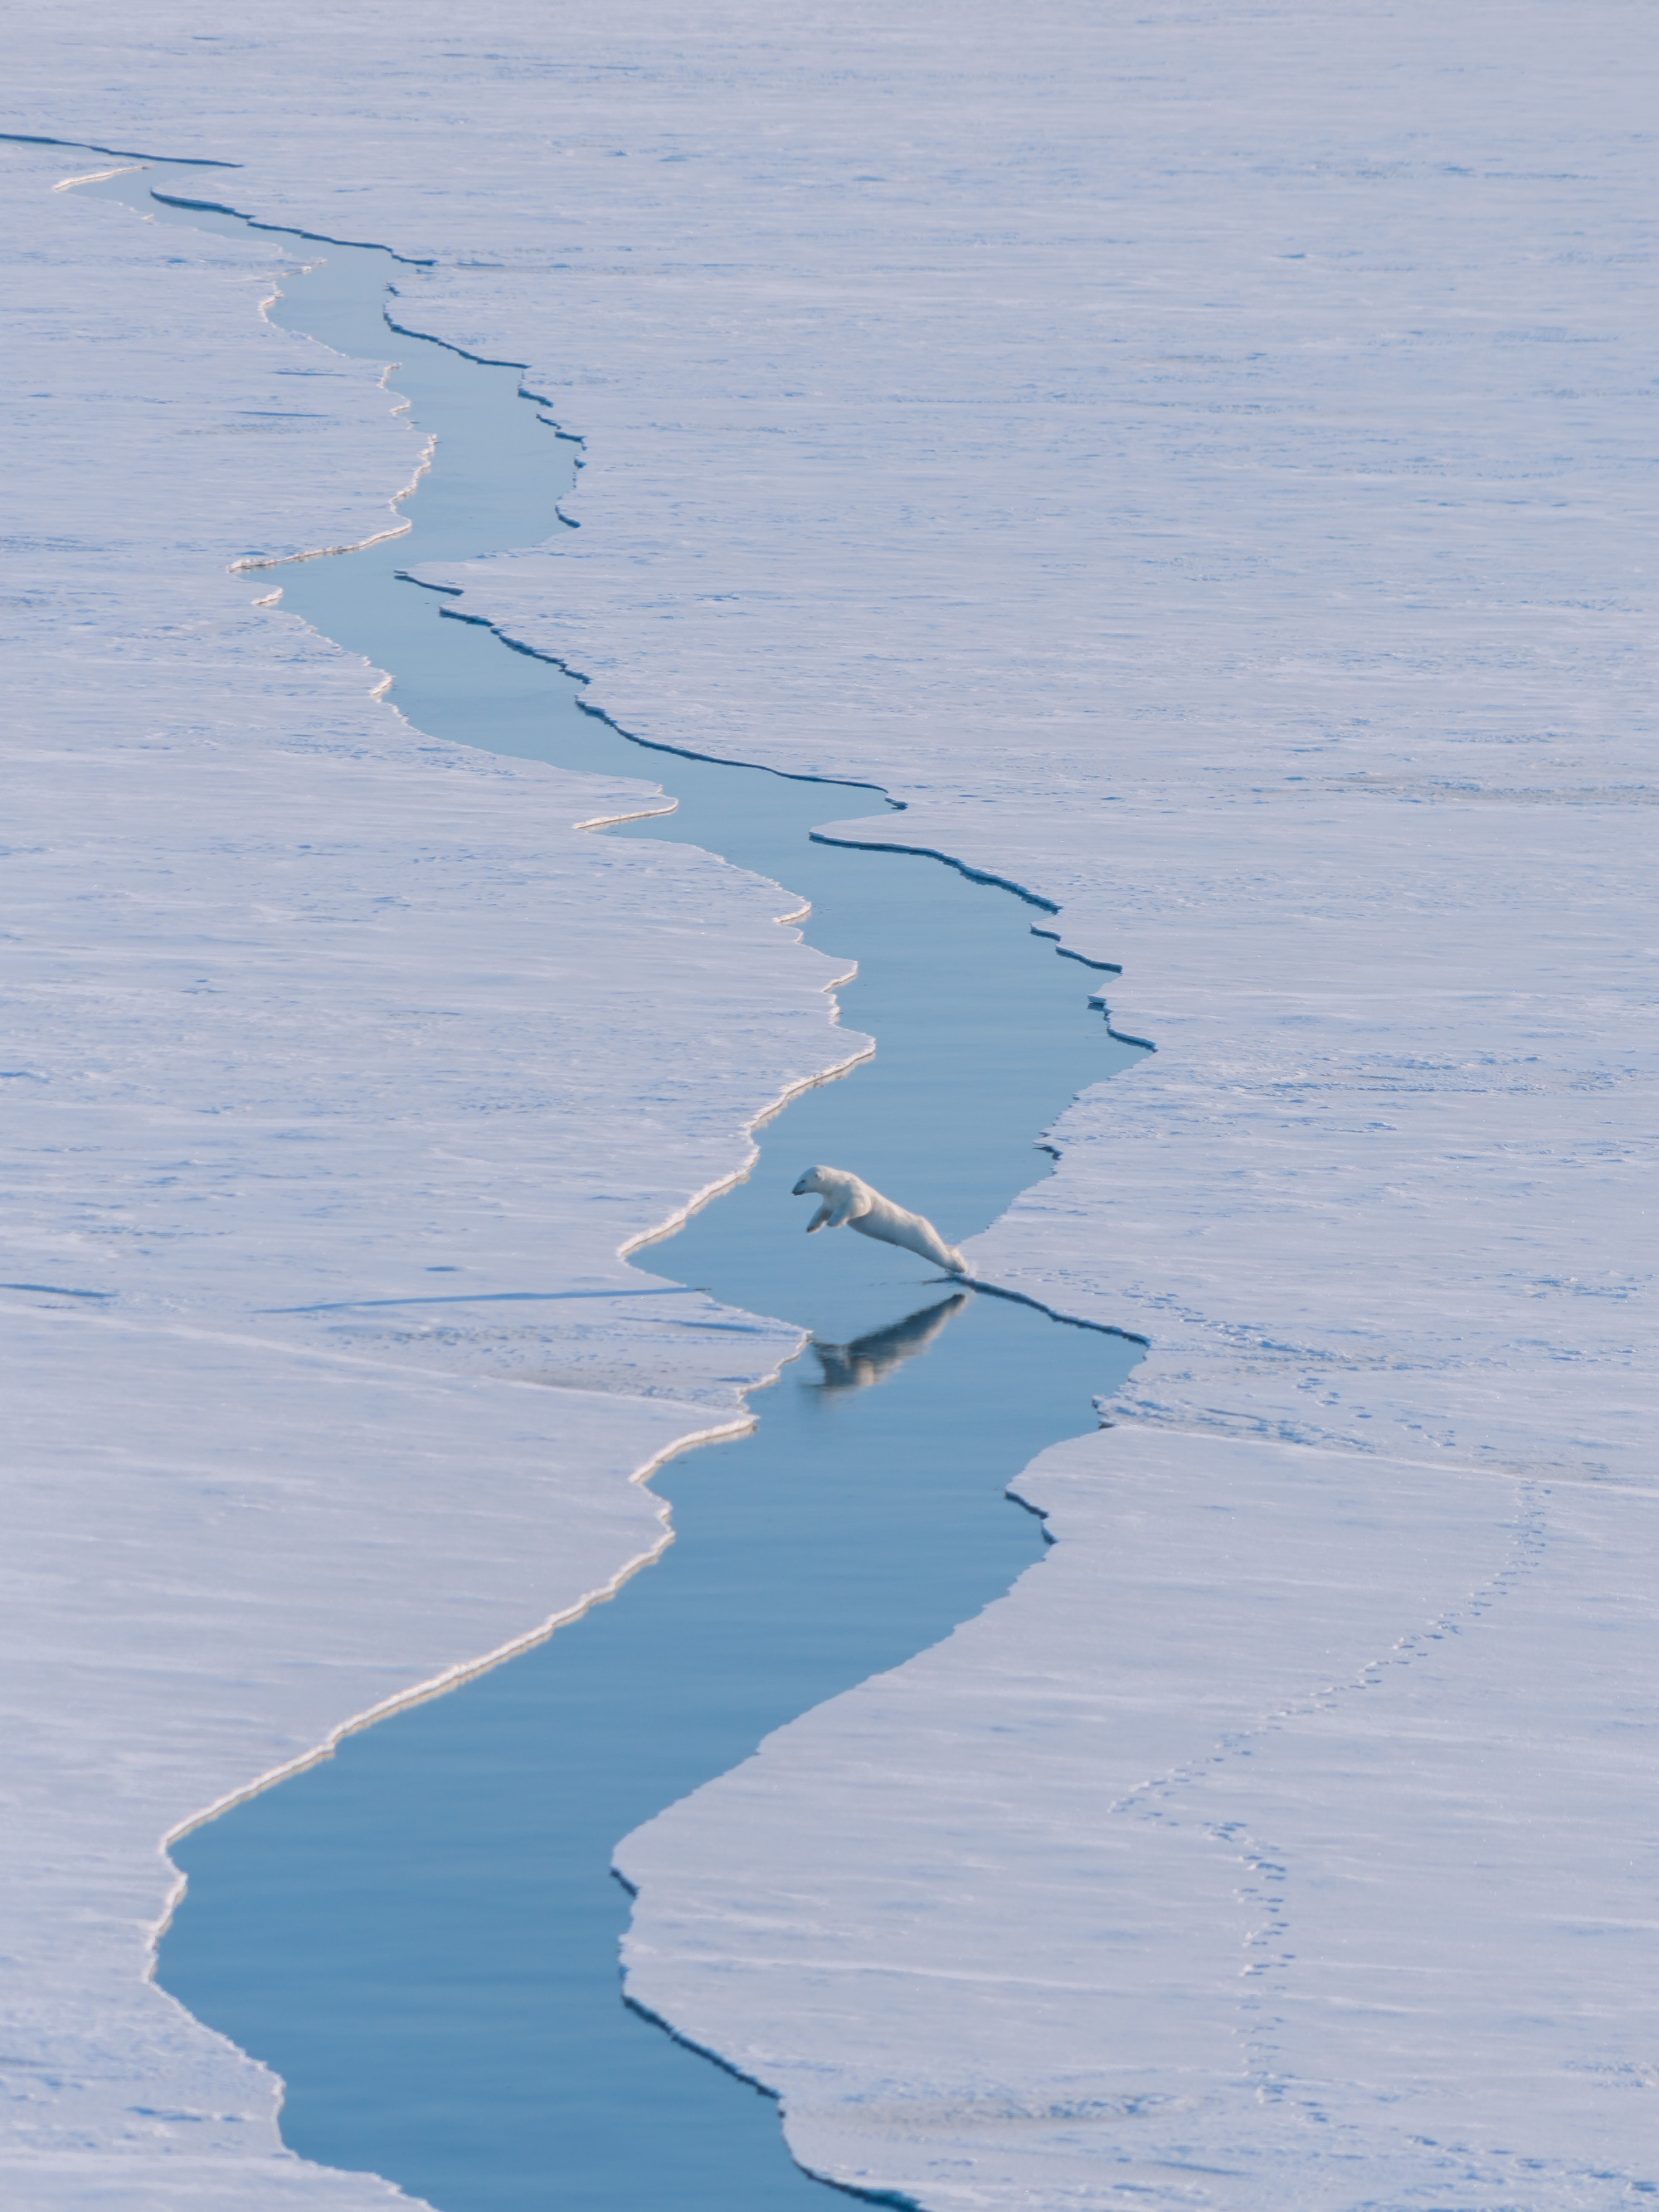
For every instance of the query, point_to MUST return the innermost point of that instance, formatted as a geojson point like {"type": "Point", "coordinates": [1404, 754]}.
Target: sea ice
{"type": "Point", "coordinates": [1199, 463]}
{"type": "Point", "coordinates": [319, 1035]}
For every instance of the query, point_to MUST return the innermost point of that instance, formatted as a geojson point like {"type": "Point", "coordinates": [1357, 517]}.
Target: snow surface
{"type": "Point", "coordinates": [301, 1007]}
{"type": "Point", "coordinates": [1202, 462]}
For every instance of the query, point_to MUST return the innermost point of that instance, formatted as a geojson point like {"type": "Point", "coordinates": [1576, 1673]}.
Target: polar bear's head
{"type": "Point", "coordinates": [814, 1180]}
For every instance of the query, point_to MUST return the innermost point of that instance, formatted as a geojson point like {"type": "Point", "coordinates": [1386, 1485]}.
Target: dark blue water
{"type": "Point", "coordinates": [421, 1935]}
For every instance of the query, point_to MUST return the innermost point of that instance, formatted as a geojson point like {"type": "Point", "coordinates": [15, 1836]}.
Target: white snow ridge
{"type": "Point", "coordinates": [1201, 461]}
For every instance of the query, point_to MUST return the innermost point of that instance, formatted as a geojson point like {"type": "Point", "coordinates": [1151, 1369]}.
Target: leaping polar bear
{"type": "Point", "coordinates": [847, 1198]}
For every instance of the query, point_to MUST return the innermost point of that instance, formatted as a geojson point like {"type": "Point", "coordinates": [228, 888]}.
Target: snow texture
{"type": "Point", "coordinates": [1201, 461]}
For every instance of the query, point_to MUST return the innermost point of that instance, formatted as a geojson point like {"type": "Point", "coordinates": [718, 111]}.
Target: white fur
{"type": "Point", "coordinates": [847, 1198]}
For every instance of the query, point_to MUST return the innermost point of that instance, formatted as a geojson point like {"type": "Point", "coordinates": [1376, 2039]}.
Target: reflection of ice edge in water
{"type": "Point", "coordinates": [433, 1970]}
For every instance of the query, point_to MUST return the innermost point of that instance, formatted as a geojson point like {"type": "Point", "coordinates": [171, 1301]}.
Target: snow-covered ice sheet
{"type": "Point", "coordinates": [1286, 1838]}
{"type": "Point", "coordinates": [339, 1066]}
{"type": "Point", "coordinates": [1201, 460]}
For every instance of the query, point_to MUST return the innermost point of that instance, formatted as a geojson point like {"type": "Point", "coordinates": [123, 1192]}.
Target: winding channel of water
{"type": "Point", "coordinates": [420, 1935]}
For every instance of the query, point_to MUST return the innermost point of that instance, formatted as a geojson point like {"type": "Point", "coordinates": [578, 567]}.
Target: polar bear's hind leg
{"type": "Point", "coordinates": [912, 1232]}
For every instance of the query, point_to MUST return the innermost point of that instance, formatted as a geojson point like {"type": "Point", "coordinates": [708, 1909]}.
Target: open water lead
{"type": "Point", "coordinates": [420, 1933]}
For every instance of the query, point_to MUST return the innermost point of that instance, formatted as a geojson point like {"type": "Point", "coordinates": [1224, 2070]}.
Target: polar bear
{"type": "Point", "coordinates": [847, 1198]}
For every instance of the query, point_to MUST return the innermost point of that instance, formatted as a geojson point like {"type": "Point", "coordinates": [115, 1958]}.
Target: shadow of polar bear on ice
{"type": "Point", "coordinates": [847, 1198]}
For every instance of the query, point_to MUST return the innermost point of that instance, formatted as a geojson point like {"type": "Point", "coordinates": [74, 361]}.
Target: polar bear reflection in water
{"type": "Point", "coordinates": [873, 1359]}
{"type": "Point", "coordinates": [847, 1198]}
